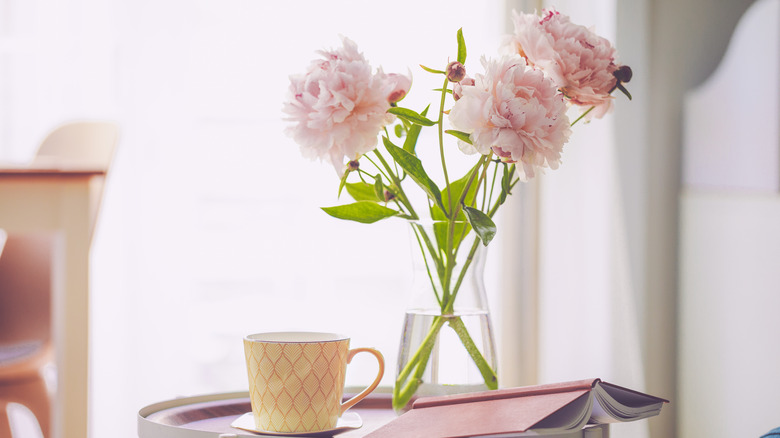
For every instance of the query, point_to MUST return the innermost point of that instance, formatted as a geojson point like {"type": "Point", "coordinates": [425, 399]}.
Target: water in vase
{"type": "Point", "coordinates": [451, 369]}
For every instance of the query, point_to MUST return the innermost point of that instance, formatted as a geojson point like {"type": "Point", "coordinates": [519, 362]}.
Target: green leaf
{"type": "Point", "coordinates": [456, 190]}
{"type": "Point", "coordinates": [461, 47]}
{"type": "Point", "coordinates": [342, 182]}
{"type": "Point", "coordinates": [414, 168]}
{"type": "Point", "coordinates": [441, 230]}
{"type": "Point", "coordinates": [430, 70]}
{"type": "Point", "coordinates": [482, 224]}
{"type": "Point", "coordinates": [365, 212]}
{"type": "Point", "coordinates": [414, 132]}
{"type": "Point", "coordinates": [379, 188]}
{"type": "Point", "coordinates": [460, 135]}
{"type": "Point", "coordinates": [411, 116]}
{"type": "Point", "coordinates": [361, 191]}
{"type": "Point", "coordinates": [399, 131]}
{"type": "Point", "coordinates": [462, 227]}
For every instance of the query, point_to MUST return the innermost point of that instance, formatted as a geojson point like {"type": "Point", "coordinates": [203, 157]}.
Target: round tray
{"type": "Point", "coordinates": [209, 416]}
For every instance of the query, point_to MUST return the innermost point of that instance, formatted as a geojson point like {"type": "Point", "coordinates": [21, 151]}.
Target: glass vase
{"type": "Point", "coordinates": [447, 344]}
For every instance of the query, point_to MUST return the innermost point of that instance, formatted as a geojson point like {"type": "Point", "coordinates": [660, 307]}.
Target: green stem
{"type": "Point", "coordinates": [482, 179]}
{"type": "Point", "coordinates": [497, 204]}
{"type": "Point", "coordinates": [441, 147]}
{"type": "Point", "coordinates": [582, 115]}
{"type": "Point", "coordinates": [450, 306]}
{"type": "Point", "coordinates": [379, 168]}
{"type": "Point", "coordinates": [417, 231]}
{"type": "Point", "coordinates": [466, 188]}
{"type": "Point", "coordinates": [479, 360]}
{"type": "Point", "coordinates": [453, 219]}
{"type": "Point", "coordinates": [492, 186]}
{"type": "Point", "coordinates": [397, 182]}
{"type": "Point", "coordinates": [403, 390]}
{"type": "Point", "coordinates": [401, 208]}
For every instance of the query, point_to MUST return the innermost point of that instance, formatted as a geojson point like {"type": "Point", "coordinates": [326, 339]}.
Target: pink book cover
{"type": "Point", "coordinates": [504, 411]}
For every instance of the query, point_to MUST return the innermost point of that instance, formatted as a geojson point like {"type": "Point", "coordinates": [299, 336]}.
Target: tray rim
{"type": "Point", "coordinates": [190, 400]}
{"type": "Point", "coordinates": [148, 428]}
{"type": "Point", "coordinates": [378, 400]}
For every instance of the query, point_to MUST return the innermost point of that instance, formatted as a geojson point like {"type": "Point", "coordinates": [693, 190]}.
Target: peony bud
{"type": "Point", "coordinates": [457, 89]}
{"type": "Point", "coordinates": [397, 87]}
{"type": "Point", "coordinates": [455, 71]}
{"type": "Point", "coordinates": [623, 74]}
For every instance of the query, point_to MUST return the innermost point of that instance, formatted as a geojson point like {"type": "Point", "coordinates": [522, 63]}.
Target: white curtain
{"type": "Point", "coordinates": [589, 317]}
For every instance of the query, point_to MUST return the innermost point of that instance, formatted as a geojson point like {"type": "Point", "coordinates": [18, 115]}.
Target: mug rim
{"type": "Point", "coordinates": [295, 337]}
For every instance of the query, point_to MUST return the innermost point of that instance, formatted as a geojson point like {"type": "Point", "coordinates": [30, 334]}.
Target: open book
{"type": "Point", "coordinates": [559, 409]}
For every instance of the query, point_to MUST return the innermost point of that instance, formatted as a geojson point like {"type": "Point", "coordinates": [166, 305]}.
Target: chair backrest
{"type": "Point", "coordinates": [87, 144]}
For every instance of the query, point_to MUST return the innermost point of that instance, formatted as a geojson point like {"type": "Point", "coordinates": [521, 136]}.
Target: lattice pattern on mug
{"type": "Point", "coordinates": [296, 387]}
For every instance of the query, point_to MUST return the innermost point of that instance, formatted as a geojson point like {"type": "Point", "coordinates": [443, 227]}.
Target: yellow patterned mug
{"type": "Point", "coordinates": [296, 379]}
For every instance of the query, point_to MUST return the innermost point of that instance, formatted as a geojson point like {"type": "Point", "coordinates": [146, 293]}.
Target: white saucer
{"type": "Point", "coordinates": [348, 421]}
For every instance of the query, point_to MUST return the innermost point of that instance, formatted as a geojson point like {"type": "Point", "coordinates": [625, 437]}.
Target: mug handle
{"type": "Point", "coordinates": [381, 360]}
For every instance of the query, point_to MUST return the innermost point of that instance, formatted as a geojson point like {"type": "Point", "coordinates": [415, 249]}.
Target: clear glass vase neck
{"type": "Point", "coordinates": [448, 276]}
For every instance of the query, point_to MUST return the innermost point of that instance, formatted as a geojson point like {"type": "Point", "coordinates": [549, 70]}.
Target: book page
{"type": "Point", "coordinates": [574, 415]}
{"type": "Point", "coordinates": [614, 403]}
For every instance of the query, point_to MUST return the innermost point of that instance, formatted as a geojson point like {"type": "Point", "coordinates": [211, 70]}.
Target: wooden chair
{"type": "Point", "coordinates": [25, 327]}
{"type": "Point", "coordinates": [83, 144]}
{"type": "Point", "coordinates": [36, 249]}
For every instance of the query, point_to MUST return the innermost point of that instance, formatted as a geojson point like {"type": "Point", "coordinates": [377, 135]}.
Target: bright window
{"type": "Point", "coordinates": [210, 227]}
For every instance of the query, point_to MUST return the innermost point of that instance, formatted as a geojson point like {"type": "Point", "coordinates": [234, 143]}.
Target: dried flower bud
{"type": "Point", "coordinates": [623, 74]}
{"type": "Point", "coordinates": [457, 89]}
{"type": "Point", "coordinates": [389, 196]}
{"type": "Point", "coordinates": [353, 165]}
{"type": "Point", "coordinates": [455, 71]}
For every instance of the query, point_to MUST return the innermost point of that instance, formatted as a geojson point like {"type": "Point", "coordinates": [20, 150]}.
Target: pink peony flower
{"type": "Point", "coordinates": [516, 112]}
{"type": "Point", "coordinates": [580, 62]}
{"type": "Point", "coordinates": [339, 105]}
